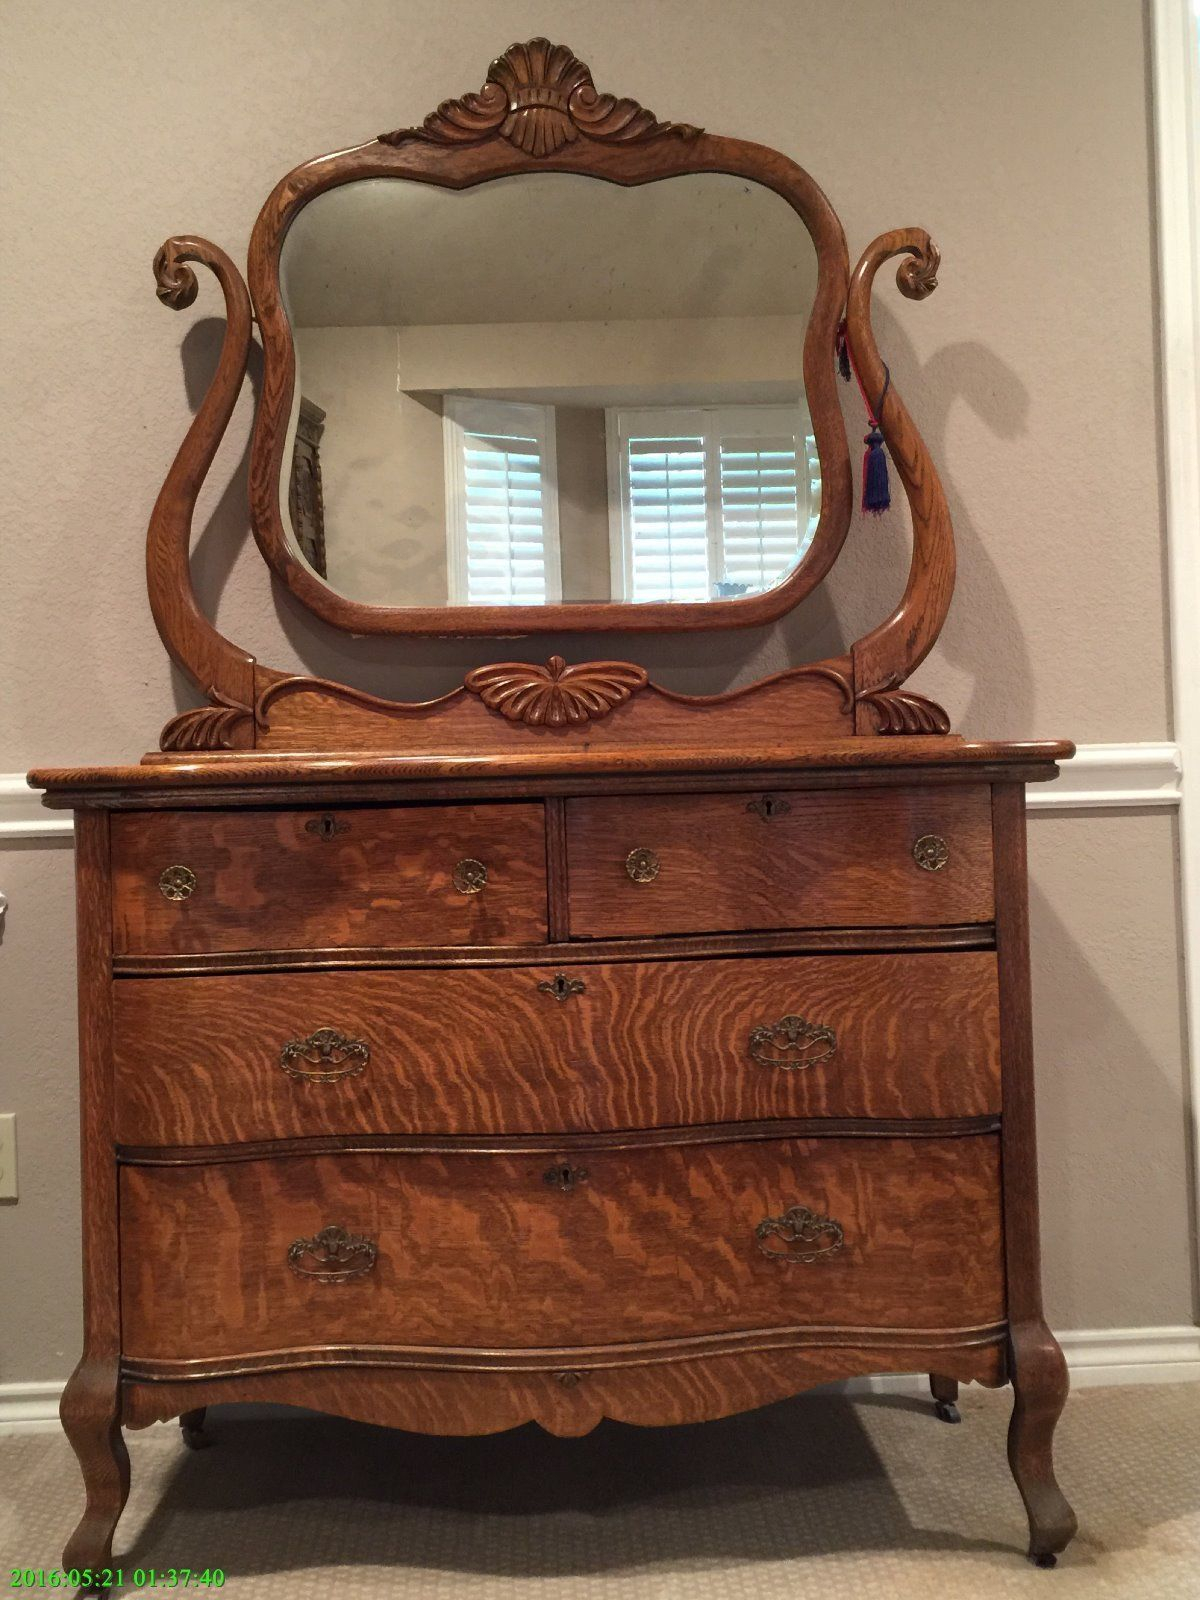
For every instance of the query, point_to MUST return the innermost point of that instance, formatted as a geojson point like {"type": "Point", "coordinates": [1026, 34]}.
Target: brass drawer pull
{"type": "Point", "coordinates": [562, 987]}
{"type": "Point", "coordinates": [176, 883]}
{"type": "Point", "coordinates": [767, 806]}
{"type": "Point", "coordinates": [324, 1057]}
{"type": "Point", "coordinates": [931, 852]}
{"type": "Point", "coordinates": [642, 866]}
{"type": "Point", "coordinates": [326, 825]}
{"type": "Point", "coordinates": [564, 1176]}
{"type": "Point", "coordinates": [469, 876]}
{"type": "Point", "coordinates": [791, 1043]}
{"type": "Point", "coordinates": [332, 1256]}
{"type": "Point", "coordinates": [815, 1237]}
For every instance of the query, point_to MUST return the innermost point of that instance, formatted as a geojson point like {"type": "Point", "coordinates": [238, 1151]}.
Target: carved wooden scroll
{"type": "Point", "coordinates": [887, 655]}
{"type": "Point", "coordinates": [222, 671]}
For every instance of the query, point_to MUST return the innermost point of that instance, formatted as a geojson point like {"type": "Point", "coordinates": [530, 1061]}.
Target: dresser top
{"type": "Point", "coordinates": [208, 778]}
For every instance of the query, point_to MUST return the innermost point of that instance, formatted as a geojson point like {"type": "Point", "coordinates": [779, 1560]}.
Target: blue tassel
{"type": "Point", "coordinates": [876, 491]}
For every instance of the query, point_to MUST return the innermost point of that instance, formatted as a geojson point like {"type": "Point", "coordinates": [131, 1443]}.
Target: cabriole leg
{"type": "Point", "coordinates": [1040, 1385]}
{"type": "Point", "coordinates": [91, 1419]}
{"type": "Point", "coordinates": [945, 1394]}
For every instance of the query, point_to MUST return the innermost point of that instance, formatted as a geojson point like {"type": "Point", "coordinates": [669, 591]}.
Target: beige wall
{"type": "Point", "coordinates": [1016, 133]}
{"type": "Point", "coordinates": [581, 449]}
{"type": "Point", "coordinates": [383, 479]}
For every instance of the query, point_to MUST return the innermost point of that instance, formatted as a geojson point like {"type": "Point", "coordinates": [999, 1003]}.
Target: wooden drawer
{"type": "Point", "coordinates": [493, 1050]}
{"type": "Point", "coordinates": [817, 859]}
{"type": "Point", "coordinates": [304, 880]}
{"type": "Point", "coordinates": [481, 1251]}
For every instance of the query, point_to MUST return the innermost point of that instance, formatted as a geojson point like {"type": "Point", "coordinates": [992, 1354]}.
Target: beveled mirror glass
{"type": "Point", "coordinates": [548, 388]}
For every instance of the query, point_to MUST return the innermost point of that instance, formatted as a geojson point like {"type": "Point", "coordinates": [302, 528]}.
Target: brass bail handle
{"type": "Point", "coordinates": [333, 1255]}
{"type": "Point", "coordinates": [800, 1236]}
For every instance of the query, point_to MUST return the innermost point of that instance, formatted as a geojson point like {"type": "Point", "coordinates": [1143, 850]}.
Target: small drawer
{"type": "Point", "coordinates": [221, 1060]}
{"type": "Point", "coordinates": [593, 1247]}
{"type": "Point", "coordinates": [677, 864]}
{"type": "Point", "coordinates": [193, 881]}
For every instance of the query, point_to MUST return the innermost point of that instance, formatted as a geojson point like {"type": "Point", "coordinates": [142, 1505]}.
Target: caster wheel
{"type": "Point", "coordinates": [947, 1411]}
{"type": "Point", "coordinates": [1045, 1562]}
{"type": "Point", "coordinates": [191, 1428]}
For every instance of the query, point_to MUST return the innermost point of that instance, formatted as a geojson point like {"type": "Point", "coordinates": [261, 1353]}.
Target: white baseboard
{"type": "Point", "coordinates": [1120, 776]}
{"type": "Point", "coordinates": [23, 816]}
{"type": "Point", "coordinates": [1117, 776]}
{"type": "Point", "coordinates": [29, 1407]}
{"type": "Point", "coordinates": [1098, 1357]}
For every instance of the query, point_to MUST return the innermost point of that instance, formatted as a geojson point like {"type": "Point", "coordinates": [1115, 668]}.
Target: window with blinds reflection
{"type": "Point", "coordinates": [646, 504]}
{"type": "Point", "coordinates": [713, 502]}
{"type": "Point", "coordinates": [501, 503]}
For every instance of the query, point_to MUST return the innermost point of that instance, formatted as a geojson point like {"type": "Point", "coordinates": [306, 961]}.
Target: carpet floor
{"type": "Point", "coordinates": [824, 1496]}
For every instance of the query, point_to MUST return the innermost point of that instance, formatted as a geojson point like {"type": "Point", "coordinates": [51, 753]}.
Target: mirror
{"type": "Point", "coordinates": [549, 388]}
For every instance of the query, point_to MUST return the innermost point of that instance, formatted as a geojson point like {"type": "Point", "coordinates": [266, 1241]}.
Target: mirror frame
{"type": "Point", "coordinates": [539, 111]}
{"type": "Point", "coordinates": [539, 102]}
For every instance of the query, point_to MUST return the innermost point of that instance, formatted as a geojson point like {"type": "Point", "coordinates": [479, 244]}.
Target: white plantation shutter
{"type": "Point", "coordinates": [760, 513]}
{"type": "Point", "coordinates": [501, 503]}
{"type": "Point", "coordinates": [710, 501]}
{"type": "Point", "coordinates": [667, 519]}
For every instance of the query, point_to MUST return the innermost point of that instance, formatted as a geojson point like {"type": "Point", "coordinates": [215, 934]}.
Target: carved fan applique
{"type": "Point", "coordinates": [539, 96]}
{"type": "Point", "coordinates": [903, 711]}
{"type": "Point", "coordinates": [556, 695]}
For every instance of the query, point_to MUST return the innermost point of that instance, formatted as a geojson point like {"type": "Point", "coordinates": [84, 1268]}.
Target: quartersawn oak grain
{"type": "Point", "coordinates": [648, 1266]}
{"type": "Point", "coordinates": [645, 1044]}
{"type": "Point", "coordinates": [832, 859]}
{"type": "Point", "coordinates": [480, 1251]}
{"type": "Point", "coordinates": [272, 879]}
{"type": "Point", "coordinates": [659, 1393]}
{"type": "Point", "coordinates": [91, 1401]}
{"type": "Point", "coordinates": [217, 777]}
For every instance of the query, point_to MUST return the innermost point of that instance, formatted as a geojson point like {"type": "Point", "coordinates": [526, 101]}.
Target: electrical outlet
{"type": "Point", "coordinates": [8, 1155]}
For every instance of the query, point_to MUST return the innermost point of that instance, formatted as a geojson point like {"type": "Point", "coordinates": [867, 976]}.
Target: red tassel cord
{"type": "Point", "coordinates": [876, 490]}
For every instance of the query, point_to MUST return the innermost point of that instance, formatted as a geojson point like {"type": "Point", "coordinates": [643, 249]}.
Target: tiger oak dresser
{"type": "Point", "coordinates": [566, 1046]}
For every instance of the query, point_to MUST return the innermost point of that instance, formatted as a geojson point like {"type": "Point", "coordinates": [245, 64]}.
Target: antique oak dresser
{"type": "Point", "coordinates": [564, 1045]}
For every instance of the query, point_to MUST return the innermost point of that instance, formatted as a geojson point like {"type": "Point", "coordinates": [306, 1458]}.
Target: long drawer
{"type": "Point", "coordinates": [545, 1251]}
{"type": "Point", "coordinates": [188, 881]}
{"type": "Point", "coordinates": [221, 1060]}
{"type": "Point", "coordinates": [672, 864]}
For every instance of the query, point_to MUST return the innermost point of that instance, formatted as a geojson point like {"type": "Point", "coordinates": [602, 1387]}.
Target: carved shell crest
{"type": "Point", "coordinates": [539, 97]}
{"type": "Point", "coordinates": [556, 695]}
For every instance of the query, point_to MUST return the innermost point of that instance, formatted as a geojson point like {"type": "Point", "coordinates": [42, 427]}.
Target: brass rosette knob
{"type": "Point", "coordinates": [642, 866]}
{"type": "Point", "coordinates": [931, 852]}
{"type": "Point", "coordinates": [176, 883]}
{"type": "Point", "coordinates": [469, 876]}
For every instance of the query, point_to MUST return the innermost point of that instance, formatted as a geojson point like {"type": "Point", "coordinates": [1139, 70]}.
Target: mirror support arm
{"type": "Point", "coordinates": [222, 671]}
{"type": "Point", "coordinates": [885, 657]}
